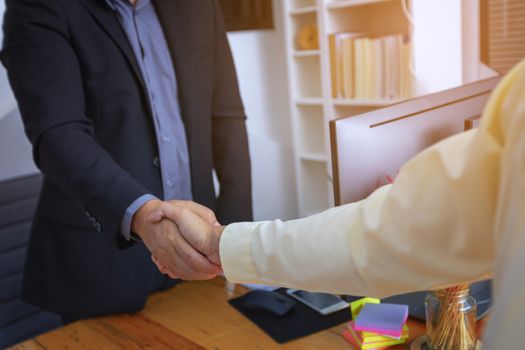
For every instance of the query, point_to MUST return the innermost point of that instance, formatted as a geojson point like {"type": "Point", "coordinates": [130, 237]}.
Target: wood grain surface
{"type": "Point", "coordinates": [190, 316]}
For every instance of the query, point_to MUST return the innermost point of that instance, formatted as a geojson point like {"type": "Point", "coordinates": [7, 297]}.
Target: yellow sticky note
{"type": "Point", "coordinates": [357, 305]}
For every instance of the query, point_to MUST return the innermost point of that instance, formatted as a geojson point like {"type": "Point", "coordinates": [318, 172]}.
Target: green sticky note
{"type": "Point", "coordinates": [357, 305]}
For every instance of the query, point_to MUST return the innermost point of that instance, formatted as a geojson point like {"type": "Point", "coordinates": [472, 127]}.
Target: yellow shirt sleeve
{"type": "Point", "coordinates": [439, 224]}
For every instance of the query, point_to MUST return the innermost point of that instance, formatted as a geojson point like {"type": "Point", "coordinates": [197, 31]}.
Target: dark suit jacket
{"type": "Point", "coordinates": [85, 111]}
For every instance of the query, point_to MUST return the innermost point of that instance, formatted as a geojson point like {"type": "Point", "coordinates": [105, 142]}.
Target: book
{"type": "Point", "coordinates": [385, 319]}
{"type": "Point", "coordinates": [369, 64]}
{"type": "Point", "coordinates": [370, 68]}
{"type": "Point", "coordinates": [333, 61]}
{"type": "Point", "coordinates": [378, 77]}
{"type": "Point", "coordinates": [406, 63]}
{"type": "Point", "coordinates": [359, 69]}
{"type": "Point", "coordinates": [347, 66]}
{"type": "Point", "coordinates": [341, 49]}
{"type": "Point", "coordinates": [390, 92]}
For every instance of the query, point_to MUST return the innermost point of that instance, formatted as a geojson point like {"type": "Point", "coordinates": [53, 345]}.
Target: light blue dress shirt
{"type": "Point", "coordinates": [146, 37]}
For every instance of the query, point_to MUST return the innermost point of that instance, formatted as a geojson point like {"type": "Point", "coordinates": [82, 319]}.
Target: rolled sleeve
{"type": "Point", "coordinates": [235, 251]}
{"type": "Point", "coordinates": [416, 234]}
{"type": "Point", "coordinates": [125, 226]}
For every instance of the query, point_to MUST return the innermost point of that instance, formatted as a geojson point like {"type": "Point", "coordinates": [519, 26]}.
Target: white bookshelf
{"type": "Point", "coordinates": [312, 105]}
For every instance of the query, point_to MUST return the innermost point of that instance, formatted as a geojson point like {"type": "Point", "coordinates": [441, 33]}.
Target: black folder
{"type": "Point", "coordinates": [299, 322]}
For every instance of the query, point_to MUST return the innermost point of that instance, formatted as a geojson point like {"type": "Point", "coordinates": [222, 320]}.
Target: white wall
{"type": "Point", "coordinates": [437, 44]}
{"type": "Point", "coordinates": [446, 44]}
{"type": "Point", "coordinates": [260, 60]}
{"type": "Point", "coordinates": [7, 101]}
{"type": "Point", "coordinates": [15, 149]}
{"type": "Point", "coordinates": [473, 68]}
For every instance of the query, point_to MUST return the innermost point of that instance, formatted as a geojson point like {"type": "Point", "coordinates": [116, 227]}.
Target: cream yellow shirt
{"type": "Point", "coordinates": [456, 213]}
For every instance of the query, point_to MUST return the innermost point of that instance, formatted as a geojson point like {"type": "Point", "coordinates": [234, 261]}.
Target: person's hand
{"type": "Point", "coordinates": [197, 225]}
{"type": "Point", "coordinates": [171, 250]}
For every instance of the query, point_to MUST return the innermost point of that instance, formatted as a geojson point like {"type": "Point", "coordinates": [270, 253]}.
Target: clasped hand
{"type": "Point", "coordinates": [182, 236]}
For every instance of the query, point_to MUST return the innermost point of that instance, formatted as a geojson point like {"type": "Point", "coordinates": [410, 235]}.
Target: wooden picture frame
{"type": "Point", "coordinates": [247, 14]}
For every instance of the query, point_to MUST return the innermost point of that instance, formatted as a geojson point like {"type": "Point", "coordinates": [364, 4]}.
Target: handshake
{"type": "Point", "coordinates": [182, 236]}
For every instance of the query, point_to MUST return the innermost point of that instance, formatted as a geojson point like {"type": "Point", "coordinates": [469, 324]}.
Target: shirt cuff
{"type": "Point", "coordinates": [125, 225]}
{"type": "Point", "coordinates": [236, 258]}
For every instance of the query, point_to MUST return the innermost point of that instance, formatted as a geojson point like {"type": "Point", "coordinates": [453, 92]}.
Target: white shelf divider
{"type": "Point", "coordinates": [309, 101]}
{"type": "Point", "coordinates": [314, 157]}
{"type": "Point", "coordinates": [306, 53]}
{"type": "Point", "coordinates": [338, 4]}
{"type": "Point", "coordinates": [303, 10]}
{"type": "Point", "coordinates": [359, 103]}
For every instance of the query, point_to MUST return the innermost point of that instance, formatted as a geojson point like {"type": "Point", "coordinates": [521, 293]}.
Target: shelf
{"type": "Point", "coordinates": [303, 10]}
{"type": "Point", "coordinates": [307, 81]}
{"type": "Point", "coordinates": [360, 103]}
{"type": "Point", "coordinates": [311, 137]}
{"type": "Point", "coordinates": [309, 101]}
{"type": "Point", "coordinates": [349, 111]}
{"type": "Point", "coordinates": [372, 17]}
{"type": "Point", "coordinates": [314, 157]}
{"type": "Point", "coordinates": [310, 110]}
{"type": "Point", "coordinates": [306, 53]}
{"type": "Point", "coordinates": [334, 5]}
{"type": "Point", "coordinates": [313, 191]}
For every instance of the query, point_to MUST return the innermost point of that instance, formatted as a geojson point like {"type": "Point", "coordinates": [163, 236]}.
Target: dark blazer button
{"type": "Point", "coordinates": [134, 237]}
{"type": "Point", "coordinates": [156, 162]}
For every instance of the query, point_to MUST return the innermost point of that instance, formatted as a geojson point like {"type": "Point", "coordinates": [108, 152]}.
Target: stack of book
{"type": "Point", "coordinates": [376, 325]}
{"type": "Point", "coordinates": [370, 68]}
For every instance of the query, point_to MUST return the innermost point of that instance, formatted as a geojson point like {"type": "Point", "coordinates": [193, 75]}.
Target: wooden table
{"type": "Point", "coordinates": [190, 316]}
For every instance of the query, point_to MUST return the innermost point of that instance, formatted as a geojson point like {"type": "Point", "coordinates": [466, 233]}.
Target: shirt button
{"type": "Point", "coordinates": [169, 183]}
{"type": "Point", "coordinates": [166, 139]}
{"type": "Point", "coordinates": [156, 162]}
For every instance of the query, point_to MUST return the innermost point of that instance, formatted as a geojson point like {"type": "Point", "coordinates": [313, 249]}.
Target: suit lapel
{"type": "Point", "coordinates": [173, 19]}
{"type": "Point", "coordinates": [109, 22]}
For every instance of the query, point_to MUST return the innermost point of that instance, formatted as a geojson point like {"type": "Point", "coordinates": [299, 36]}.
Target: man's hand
{"type": "Point", "coordinates": [198, 226]}
{"type": "Point", "coordinates": [173, 252]}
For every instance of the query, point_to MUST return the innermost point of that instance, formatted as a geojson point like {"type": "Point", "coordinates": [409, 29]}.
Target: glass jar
{"type": "Point", "coordinates": [451, 319]}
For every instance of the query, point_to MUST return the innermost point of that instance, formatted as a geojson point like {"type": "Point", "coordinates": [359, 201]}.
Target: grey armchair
{"type": "Point", "coordinates": [18, 320]}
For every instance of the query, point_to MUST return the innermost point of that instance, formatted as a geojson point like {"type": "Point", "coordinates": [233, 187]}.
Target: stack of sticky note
{"type": "Point", "coordinates": [376, 325]}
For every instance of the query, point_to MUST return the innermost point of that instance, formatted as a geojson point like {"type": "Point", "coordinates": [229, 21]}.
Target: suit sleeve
{"type": "Point", "coordinates": [47, 81]}
{"type": "Point", "coordinates": [229, 138]}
